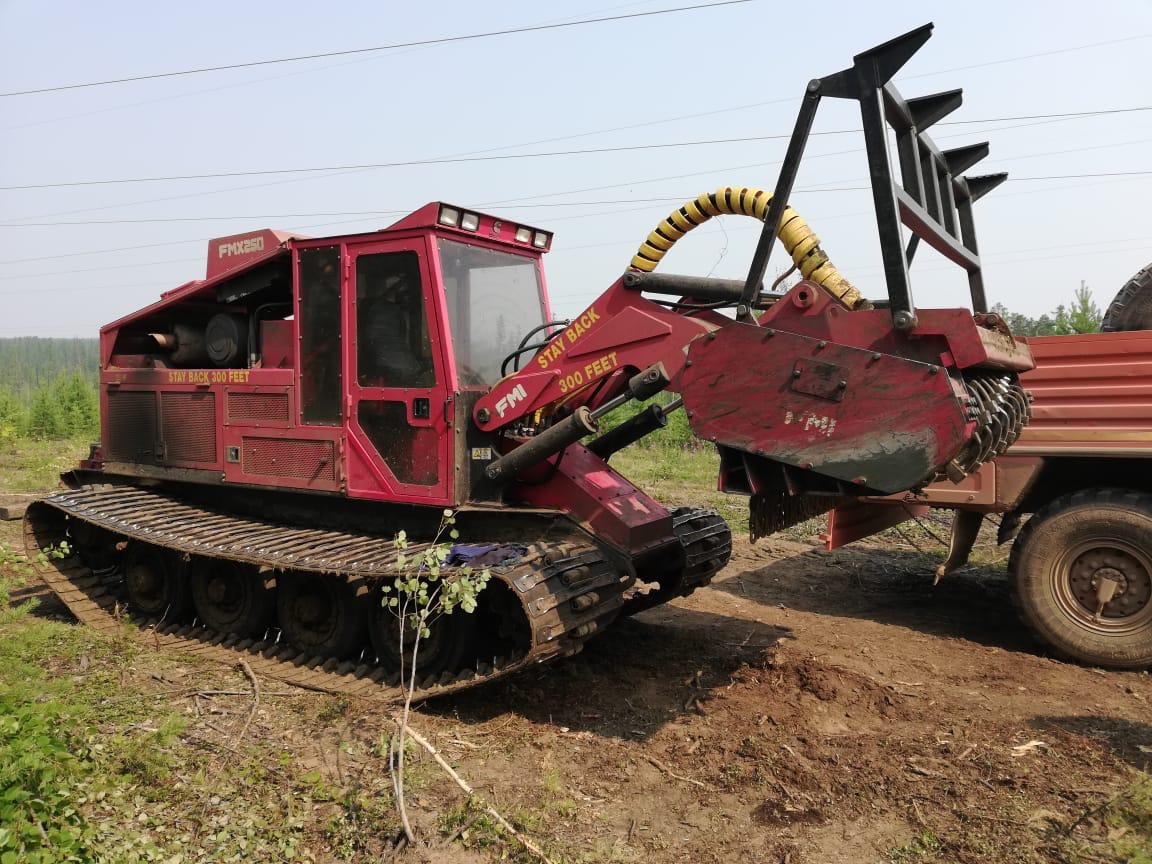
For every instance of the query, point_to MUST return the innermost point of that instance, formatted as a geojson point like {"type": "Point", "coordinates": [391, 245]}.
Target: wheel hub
{"type": "Point", "coordinates": [221, 592]}
{"type": "Point", "coordinates": [311, 610]}
{"type": "Point", "coordinates": [144, 580]}
{"type": "Point", "coordinates": [1109, 585]}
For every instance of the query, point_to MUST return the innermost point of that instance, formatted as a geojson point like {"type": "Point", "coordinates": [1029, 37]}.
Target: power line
{"type": "Point", "coordinates": [498, 202]}
{"type": "Point", "coordinates": [350, 51]}
{"type": "Point", "coordinates": [543, 154]}
{"type": "Point", "coordinates": [1051, 53]}
{"type": "Point", "coordinates": [250, 186]}
{"type": "Point", "coordinates": [586, 215]}
{"type": "Point", "coordinates": [826, 187]}
{"type": "Point", "coordinates": [239, 216]}
{"type": "Point", "coordinates": [319, 225]}
{"type": "Point", "coordinates": [414, 162]}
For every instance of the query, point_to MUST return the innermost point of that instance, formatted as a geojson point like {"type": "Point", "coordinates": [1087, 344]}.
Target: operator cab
{"type": "Point", "coordinates": [341, 364]}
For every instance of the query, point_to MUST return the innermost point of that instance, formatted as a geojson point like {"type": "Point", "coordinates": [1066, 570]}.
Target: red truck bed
{"type": "Point", "coordinates": [1092, 396]}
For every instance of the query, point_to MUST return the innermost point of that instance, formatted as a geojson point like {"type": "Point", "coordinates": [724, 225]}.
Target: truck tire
{"type": "Point", "coordinates": [1131, 308]}
{"type": "Point", "coordinates": [1061, 558]}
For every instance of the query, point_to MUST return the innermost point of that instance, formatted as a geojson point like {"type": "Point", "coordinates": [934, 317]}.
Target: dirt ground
{"type": "Point", "coordinates": [807, 707]}
{"type": "Point", "coordinates": [827, 707]}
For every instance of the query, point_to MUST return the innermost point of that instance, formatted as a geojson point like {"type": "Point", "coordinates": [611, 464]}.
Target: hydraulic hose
{"type": "Point", "coordinates": [799, 240]}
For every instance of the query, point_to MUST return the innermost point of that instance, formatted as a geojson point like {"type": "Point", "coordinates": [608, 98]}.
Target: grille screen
{"type": "Point", "coordinates": [289, 457]}
{"type": "Point", "coordinates": [131, 429]}
{"type": "Point", "coordinates": [261, 407]}
{"type": "Point", "coordinates": [189, 426]}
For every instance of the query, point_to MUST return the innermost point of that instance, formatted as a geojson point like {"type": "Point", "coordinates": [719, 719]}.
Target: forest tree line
{"type": "Point", "coordinates": [48, 389]}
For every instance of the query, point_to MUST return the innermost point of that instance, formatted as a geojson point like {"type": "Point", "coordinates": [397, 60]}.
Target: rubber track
{"type": "Point", "coordinates": [545, 580]}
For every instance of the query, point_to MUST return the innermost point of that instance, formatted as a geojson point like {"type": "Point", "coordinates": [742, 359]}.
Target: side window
{"type": "Point", "coordinates": [320, 385]}
{"type": "Point", "coordinates": [392, 344]}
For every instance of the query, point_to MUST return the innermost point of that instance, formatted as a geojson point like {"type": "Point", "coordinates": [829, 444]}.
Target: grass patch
{"type": "Point", "coordinates": [96, 769]}
{"type": "Point", "coordinates": [1120, 831]}
{"type": "Point", "coordinates": [923, 847]}
{"type": "Point", "coordinates": [29, 465]}
{"type": "Point", "coordinates": [676, 475]}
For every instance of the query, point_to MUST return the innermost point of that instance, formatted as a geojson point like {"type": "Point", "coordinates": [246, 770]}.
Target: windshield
{"type": "Point", "coordinates": [494, 299]}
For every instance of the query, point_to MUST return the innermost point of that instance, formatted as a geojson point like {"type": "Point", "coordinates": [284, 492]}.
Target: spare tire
{"type": "Point", "coordinates": [1131, 308]}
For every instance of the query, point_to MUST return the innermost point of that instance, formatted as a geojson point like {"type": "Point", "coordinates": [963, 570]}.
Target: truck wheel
{"type": "Point", "coordinates": [1082, 574]}
{"type": "Point", "coordinates": [1131, 308]}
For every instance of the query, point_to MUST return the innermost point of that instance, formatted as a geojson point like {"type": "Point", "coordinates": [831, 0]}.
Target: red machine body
{"type": "Point", "coordinates": [309, 405]}
{"type": "Point", "coordinates": [250, 425]}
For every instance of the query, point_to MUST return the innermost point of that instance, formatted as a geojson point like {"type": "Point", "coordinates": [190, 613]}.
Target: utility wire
{"type": "Point", "coordinates": [543, 154]}
{"type": "Point", "coordinates": [1051, 53]}
{"type": "Point", "coordinates": [376, 48]}
{"type": "Point", "coordinates": [585, 215]}
{"type": "Point", "coordinates": [825, 187]}
{"type": "Point", "coordinates": [502, 202]}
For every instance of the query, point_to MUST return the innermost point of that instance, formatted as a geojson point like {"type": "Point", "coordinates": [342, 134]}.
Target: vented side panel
{"type": "Point", "coordinates": [131, 432]}
{"type": "Point", "coordinates": [258, 407]}
{"type": "Point", "coordinates": [189, 427]}
{"type": "Point", "coordinates": [289, 457]}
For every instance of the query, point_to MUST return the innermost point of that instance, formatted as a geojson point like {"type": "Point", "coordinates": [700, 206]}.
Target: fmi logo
{"type": "Point", "coordinates": [516, 394]}
{"type": "Point", "coordinates": [241, 247]}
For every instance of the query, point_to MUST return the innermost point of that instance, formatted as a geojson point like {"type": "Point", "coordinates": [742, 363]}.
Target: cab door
{"type": "Point", "coordinates": [399, 434]}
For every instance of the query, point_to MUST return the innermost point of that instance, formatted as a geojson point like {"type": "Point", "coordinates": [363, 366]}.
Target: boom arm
{"type": "Point", "coordinates": [590, 361]}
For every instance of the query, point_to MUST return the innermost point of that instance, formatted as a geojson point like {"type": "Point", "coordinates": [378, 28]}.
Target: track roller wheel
{"type": "Point", "coordinates": [324, 615]}
{"type": "Point", "coordinates": [452, 640]}
{"type": "Point", "coordinates": [230, 597]}
{"type": "Point", "coordinates": [1082, 575]}
{"type": "Point", "coordinates": [96, 546]}
{"type": "Point", "coordinates": [156, 582]}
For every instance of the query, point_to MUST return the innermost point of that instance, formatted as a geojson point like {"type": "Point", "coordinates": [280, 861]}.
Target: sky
{"type": "Point", "coordinates": [734, 71]}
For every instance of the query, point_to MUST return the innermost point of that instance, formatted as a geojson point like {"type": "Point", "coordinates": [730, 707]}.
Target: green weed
{"type": "Point", "coordinates": [922, 847]}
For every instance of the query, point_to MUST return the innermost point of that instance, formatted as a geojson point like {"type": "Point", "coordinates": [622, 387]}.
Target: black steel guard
{"type": "Point", "coordinates": [932, 200]}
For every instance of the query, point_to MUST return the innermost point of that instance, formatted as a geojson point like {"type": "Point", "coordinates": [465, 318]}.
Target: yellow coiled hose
{"type": "Point", "coordinates": [799, 240]}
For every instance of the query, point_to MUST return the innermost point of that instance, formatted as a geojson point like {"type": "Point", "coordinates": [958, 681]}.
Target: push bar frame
{"type": "Point", "coordinates": [930, 198]}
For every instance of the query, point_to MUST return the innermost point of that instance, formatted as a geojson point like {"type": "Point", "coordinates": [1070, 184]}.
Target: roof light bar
{"type": "Point", "coordinates": [448, 216]}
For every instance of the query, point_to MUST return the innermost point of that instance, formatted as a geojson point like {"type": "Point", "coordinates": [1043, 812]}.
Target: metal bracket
{"type": "Point", "coordinates": [931, 199]}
